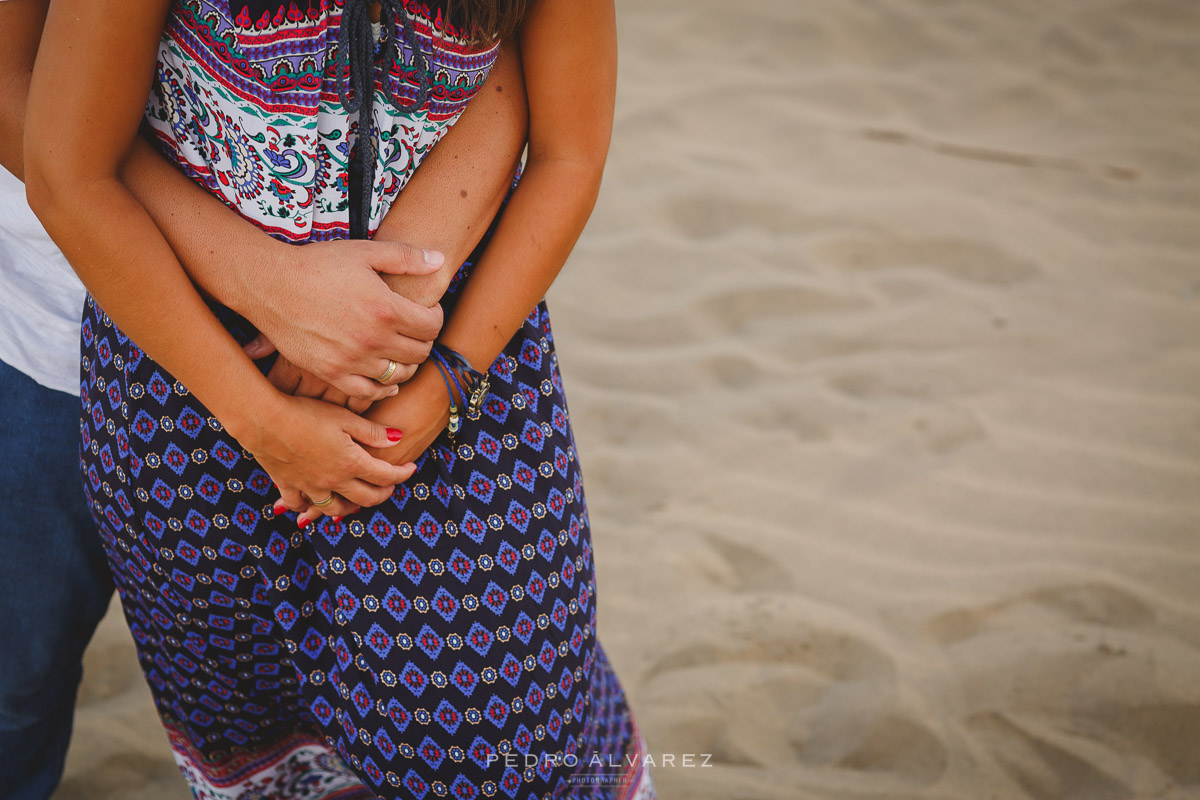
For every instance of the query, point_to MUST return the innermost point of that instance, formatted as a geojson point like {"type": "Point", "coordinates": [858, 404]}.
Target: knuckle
{"type": "Point", "coordinates": [406, 254]}
{"type": "Point", "coordinates": [430, 323]}
{"type": "Point", "coordinates": [380, 312]}
{"type": "Point", "coordinates": [407, 351]}
{"type": "Point", "coordinates": [364, 338]}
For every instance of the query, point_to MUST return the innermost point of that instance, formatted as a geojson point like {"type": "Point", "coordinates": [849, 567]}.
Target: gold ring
{"type": "Point", "coordinates": [325, 502]}
{"type": "Point", "coordinates": [391, 370]}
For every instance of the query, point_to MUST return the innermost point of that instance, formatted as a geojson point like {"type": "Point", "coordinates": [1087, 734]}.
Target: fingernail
{"type": "Point", "coordinates": [304, 523]}
{"type": "Point", "coordinates": [394, 435]}
{"type": "Point", "coordinates": [433, 258]}
{"type": "Point", "coordinates": [279, 507]}
{"type": "Point", "coordinates": [337, 519]}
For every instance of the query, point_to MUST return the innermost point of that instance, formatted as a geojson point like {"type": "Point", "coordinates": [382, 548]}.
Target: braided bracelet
{"type": "Point", "coordinates": [458, 374]}
{"type": "Point", "coordinates": [444, 371]}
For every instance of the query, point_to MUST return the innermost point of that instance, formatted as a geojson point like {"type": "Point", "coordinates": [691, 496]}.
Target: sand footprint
{"type": "Point", "coordinates": [1043, 763]}
{"type": "Point", "coordinates": [755, 685]}
{"type": "Point", "coordinates": [701, 216]}
{"type": "Point", "coordinates": [1092, 602]}
{"type": "Point", "coordinates": [964, 260]}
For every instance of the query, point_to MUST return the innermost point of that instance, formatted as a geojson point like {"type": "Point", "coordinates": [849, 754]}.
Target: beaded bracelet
{"type": "Point", "coordinates": [466, 385]}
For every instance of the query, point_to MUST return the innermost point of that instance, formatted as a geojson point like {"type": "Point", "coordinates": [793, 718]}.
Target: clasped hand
{"type": "Point", "coordinates": [337, 326]}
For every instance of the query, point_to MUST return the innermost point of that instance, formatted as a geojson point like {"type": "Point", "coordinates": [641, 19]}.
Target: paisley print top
{"type": "Point", "coordinates": [246, 101]}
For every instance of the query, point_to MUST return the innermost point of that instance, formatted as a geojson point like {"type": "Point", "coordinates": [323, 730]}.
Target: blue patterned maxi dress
{"type": "Point", "coordinates": [442, 644]}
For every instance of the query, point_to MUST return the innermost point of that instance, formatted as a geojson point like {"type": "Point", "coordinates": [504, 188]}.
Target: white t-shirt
{"type": "Point", "coordinates": [41, 300]}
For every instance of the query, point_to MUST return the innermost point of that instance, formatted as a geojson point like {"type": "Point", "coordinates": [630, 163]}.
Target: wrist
{"type": "Point", "coordinates": [243, 288]}
{"type": "Point", "coordinates": [250, 413]}
{"type": "Point", "coordinates": [425, 290]}
{"type": "Point", "coordinates": [425, 389]}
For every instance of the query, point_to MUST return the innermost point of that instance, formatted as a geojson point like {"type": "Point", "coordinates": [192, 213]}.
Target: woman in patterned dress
{"type": "Point", "coordinates": [443, 640]}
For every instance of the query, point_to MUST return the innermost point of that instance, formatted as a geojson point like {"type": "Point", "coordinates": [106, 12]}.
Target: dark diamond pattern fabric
{"type": "Point", "coordinates": [434, 642]}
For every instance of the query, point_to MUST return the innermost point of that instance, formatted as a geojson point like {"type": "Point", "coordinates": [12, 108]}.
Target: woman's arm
{"type": "Point", "coordinates": [237, 262]}
{"type": "Point", "coordinates": [446, 206]}
{"type": "Point", "coordinates": [86, 97]}
{"type": "Point", "coordinates": [457, 190]}
{"type": "Point", "coordinates": [347, 338]}
{"type": "Point", "coordinates": [569, 53]}
{"type": "Point", "coordinates": [20, 28]}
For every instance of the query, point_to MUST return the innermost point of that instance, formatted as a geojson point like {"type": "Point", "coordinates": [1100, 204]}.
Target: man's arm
{"type": "Point", "coordinates": [225, 253]}
{"type": "Point", "coordinates": [344, 337]}
{"type": "Point", "coordinates": [86, 96]}
{"type": "Point", "coordinates": [285, 290]}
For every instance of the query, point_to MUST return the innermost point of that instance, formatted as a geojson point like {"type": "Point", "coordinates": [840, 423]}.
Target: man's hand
{"type": "Point", "coordinates": [290, 379]}
{"type": "Point", "coordinates": [356, 327]}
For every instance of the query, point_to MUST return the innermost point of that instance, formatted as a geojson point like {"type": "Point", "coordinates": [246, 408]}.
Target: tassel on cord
{"type": "Point", "coordinates": [358, 59]}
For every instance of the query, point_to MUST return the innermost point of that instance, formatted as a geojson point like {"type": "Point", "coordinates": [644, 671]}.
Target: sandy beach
{"type": "Point", "coordinates": [883, 356]}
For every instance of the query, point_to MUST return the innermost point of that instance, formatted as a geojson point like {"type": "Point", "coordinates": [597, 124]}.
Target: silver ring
{"type": "Point", "coordinates": [389, 372]}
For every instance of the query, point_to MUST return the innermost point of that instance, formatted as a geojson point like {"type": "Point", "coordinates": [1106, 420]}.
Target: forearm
{"type": "Point", "coordinates": [220, 249]}
{"type": "Point", "coordinates": [446, 207]}
{"type": "Point", "coordinates": [544, 218]}
{"type": "Point", "coordinates": [228, 257]}
{"type": "Point", "coordinates": [456, 192]}
{"type": "Point", "coordinates": [536, 234]}
{"type": "Point", "coordinates": [568, 54]}
{"type": "Point", "coordinates": [129, 269]}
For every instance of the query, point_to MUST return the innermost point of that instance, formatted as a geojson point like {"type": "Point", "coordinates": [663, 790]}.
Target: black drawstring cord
{"type": "Point", "coordinates": [357, 55]}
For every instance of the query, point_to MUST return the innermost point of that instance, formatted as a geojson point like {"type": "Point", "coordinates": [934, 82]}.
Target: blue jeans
{"type": "Point", "coordinates": [54, 582]}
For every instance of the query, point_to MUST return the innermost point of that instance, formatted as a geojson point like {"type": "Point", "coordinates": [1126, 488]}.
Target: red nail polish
{"type": "Point", "coordinates": [304, 523]}
{"type": "Point", "coordinates": [279, 507]}
{"type": "Point", "coordinates": [337, 519]}
{"type": "Point", "coordinates": [394, 435]}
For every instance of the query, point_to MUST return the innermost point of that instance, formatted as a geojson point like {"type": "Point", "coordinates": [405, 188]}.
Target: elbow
{"type": "Point", "coordinates": [13, 91]}
{"type": "Point", "coordinates": [39, 191]}
{"type": "Point", "coordinates": [48, 181]}
{"type": "Point", "coordinates": [585, 164]}
{"type": "Point", "coordinates": [60, 196]}
{"type": "Point", "coordinates": [578, 175]}
{"type": "Point", "coordinates": [582, 158]}
{"type": "Point", "coordinates": [41, 179]}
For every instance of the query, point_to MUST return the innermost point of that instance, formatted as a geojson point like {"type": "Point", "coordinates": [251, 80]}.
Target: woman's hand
{"type": "Point", "coordinates": [359, 325]}
{"type": "Point", "coordinates": [421, 409]}
{"type": "Point", "coordinates": [312, 450]}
